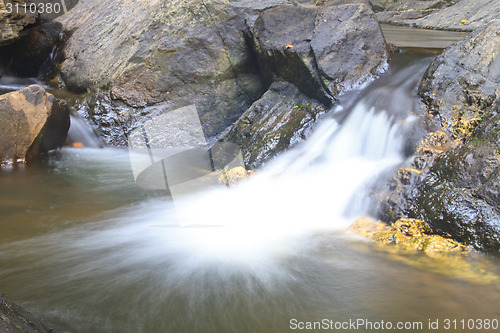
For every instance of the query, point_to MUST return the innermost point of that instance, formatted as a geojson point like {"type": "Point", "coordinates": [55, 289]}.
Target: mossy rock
{"type": "Point", "coordinates": [407, 234]}
{"type": "Point", "coordinates": [412, 242]}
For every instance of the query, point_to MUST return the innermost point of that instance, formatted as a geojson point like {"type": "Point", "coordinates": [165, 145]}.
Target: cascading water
{"type": "Point", "coordinates": [246, 260]}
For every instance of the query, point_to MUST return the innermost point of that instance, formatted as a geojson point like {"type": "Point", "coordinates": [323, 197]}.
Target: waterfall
{"type": "Point", "coordinates": [81, 134]}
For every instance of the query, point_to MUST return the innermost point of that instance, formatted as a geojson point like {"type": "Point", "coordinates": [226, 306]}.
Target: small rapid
{"type": "Point", "coordinates": [92, 252]}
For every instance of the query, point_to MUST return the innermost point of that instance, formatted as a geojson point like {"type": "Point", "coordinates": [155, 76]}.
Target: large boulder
{"type": "Point", "coordinates": [322, 52]}
{"type": "Point", "coordinates": [454, 182]}
{"type": "Point", "coordinates": [170, 53]}
{"type": "Point", "coordinates": [32, 122]}
{"type": "Point", "coordinates": [139, 61]}
{"type": "Point", "coordinates": [460, 194]}
{"type": "Point", "coordinates": [14, 318]}
{"type": "Point", "coordinates": [13, 22]}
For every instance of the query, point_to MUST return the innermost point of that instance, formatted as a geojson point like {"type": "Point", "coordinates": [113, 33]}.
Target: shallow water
{"type": "Point", "coordinates": [87, 249]}
{"type": "Point", "coordinates": [412, 37]}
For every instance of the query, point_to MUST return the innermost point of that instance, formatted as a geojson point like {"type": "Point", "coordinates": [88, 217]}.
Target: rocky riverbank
{"type": "Point", "coordinates": [454, 182]}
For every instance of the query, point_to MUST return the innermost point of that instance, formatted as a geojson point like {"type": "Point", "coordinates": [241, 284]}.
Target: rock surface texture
{"type": "Point", "coordinates": [14, 318]}
{"type": "Point", "coordinates": [12, 23]}
{"type": "Point", "coordinates": [148, 58]}
{"type": "Point", "coordinates": [32, 122]}
{"type": "Point", "coordinates": [454, 183]}
{"type": "Point", "coordinates": [460, 15]}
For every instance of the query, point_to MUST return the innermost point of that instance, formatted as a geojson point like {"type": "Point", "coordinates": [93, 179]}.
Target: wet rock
{"type": "Point", "coordinates": [32, 122]}
{"type": "Point", "coordinates": [459, 195]}
{"type": "Point", "coordinates": [281, 118]}
{"type": "Point", "coordinates": [234, 176]}
{"type": "Point", "coordinates": [322, 52]}
{"type": "Point", "coordinates": [463, 83]}
{"type": "Point", "coordinates": [14, 318]}
{"type": "Point", "coordinates": [33, 53]}
{"type": "Point", "coordinates": [413, 243]}
{"type": "Point", "coordinates": [12, 24]}
{"type": "Point", "coordinates": [453, 184]}
{"type": "Point", "coordinates": [407, 234]}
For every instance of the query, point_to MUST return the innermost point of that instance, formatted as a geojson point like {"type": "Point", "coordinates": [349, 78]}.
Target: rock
{"type": "Point", "coordinates": [463, 82]}
{"type": "Point", "coordinates": [465, 15]}
{"type": "Point", "coordinates": [13, 23]}
{"type": "Point", "coordinates": [459, 15]}
{"type": "Point", "coordinates": [454, 184]}
{"type": "Point", "coordinates": [139, 68]}
{"type": "Point", "coordinates": [14, 318]}
{"type": "Point", "coordinates": [307, 47]}
{"type": "Point", "coordinates": [31, 54]}
{"type": "Point", "coordinates": [407, 234]}
{"type": "Point", "coordinates": [32, 122]}
{"type": "Point", "coordinates": [171, 54]}
{"type": "Point", "coordinates": [234, 176]}
{"type": "Point", "coordinates": [281, 118]}
{"type": "Point", "coordinates": [459, 195]}
{"type": "Point", "coordinates": [413, 243]}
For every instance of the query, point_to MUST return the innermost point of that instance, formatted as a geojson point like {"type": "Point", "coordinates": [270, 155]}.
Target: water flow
{"type": "Point", "coordinates": [81, 134]}
{"type": "Point", "coordinates": [219, 259]}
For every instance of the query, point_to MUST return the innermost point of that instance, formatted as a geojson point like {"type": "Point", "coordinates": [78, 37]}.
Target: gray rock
{"type": "Point", "coordinates": [454, 182]}
{"type": "Point", "coordinates": [323, 52]}
{"type": "Point", "coordinates": [32, 122]}
{"type": "Point", "coordinates": [463, 82]}
{"type": "Point", "coordinates": [13, 23]}
{"type": "Point", "coordinates": [466, 15]}
{"type": "Point", "coordinates": [174, 54]}
{"type": "Point", "coordinates": [14, 318]}
{"type": "Point", "coordinates": [281, 118]}
{"type": "Point", "coordinates": [179, 53]}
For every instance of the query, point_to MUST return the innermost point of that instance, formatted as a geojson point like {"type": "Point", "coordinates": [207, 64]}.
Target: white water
{"type": "Point", "coordinates": [219, 259]}
{"type": "Point", "coordinates": [320, 186]}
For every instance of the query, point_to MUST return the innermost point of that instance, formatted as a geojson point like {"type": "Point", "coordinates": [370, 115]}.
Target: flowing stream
{"type": "Point", "coordinates": [90, 251]}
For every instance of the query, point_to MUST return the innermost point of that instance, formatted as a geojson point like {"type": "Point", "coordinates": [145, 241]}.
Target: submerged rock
{"type": "Point", "coordinates": [32, 122]}
{"type": "Point", "coordinates": [412, 242]}
{"type": "Point", "coordinates": [407, 234]}
{"type": "Point", "coordinates": [14, 318]}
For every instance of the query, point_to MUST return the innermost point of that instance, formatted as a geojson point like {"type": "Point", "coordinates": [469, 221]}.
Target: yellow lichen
{"type": "Point", "coordinates": [233, 176]}
{"type": "Point", "coordinates": [407, 238]}
{"type": "Point", "coordinates": [464, 122]}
